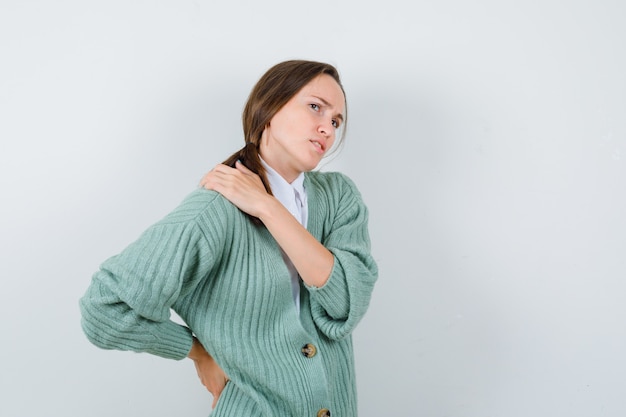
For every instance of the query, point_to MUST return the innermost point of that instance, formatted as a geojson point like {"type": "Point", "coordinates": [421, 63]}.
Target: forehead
{"type": "Point", "coordinates": [326, 88]}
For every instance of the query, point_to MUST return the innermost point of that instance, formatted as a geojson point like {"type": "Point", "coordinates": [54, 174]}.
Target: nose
{"type": "Point", "coordinates": [326, 127]}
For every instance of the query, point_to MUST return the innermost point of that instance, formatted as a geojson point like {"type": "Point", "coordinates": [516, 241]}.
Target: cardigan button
{"type": "Point", "coordinates": [309, 350]}
{"type": "Point", "coordinates": [324, 412]}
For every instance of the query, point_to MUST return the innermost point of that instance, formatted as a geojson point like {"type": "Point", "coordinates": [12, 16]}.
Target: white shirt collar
{"type": "Point", "coordinates": [284, 192]}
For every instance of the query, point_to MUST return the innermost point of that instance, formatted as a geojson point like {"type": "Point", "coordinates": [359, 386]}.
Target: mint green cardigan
{"type": "Point", "coordinates": [225, 277]}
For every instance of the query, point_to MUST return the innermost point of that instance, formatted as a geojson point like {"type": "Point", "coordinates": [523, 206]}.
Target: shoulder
{"type": "Point", "coordinates": [199, 205]}
{"type": "Point", "coordinates": [331, 181]}
{"type": "Point", "coordinates": [334, 185]}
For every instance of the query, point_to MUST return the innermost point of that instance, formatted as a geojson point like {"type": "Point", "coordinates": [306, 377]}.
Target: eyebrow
{"type": "Point", "coordinates": [327, 104]}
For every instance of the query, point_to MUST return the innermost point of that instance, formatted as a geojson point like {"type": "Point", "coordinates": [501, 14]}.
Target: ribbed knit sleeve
{"type": "Point", "coordinates": [341, 303]}
{"type": "Point", "coordinates": [127, 306]}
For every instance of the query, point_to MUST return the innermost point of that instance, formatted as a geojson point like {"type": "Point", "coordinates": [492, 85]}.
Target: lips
{"type": "Point", "coordinates": [319, 144]}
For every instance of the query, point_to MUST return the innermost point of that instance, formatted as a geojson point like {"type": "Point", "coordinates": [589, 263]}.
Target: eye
{"type": "Point", "coordinates": [336, 123]}
{"type": "Point", "coordinates": [315, 106]}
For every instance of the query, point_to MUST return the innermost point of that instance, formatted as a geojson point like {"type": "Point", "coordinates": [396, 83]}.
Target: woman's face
{"type": "Point", "coordinates": [304, 129]}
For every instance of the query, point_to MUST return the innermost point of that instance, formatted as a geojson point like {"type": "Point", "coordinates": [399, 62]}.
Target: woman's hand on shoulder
{"type": "Point", "coordinates": [240, 186]}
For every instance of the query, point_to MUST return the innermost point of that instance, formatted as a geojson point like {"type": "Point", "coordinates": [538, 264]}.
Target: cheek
{"type": "Point", "coordinates": [288, 123]}
{"type": "Point", "coordinates": [332, 140]}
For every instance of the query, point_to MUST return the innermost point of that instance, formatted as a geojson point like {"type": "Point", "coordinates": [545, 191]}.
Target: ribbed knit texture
{"type": "Point", "coordinates": [225, 277]}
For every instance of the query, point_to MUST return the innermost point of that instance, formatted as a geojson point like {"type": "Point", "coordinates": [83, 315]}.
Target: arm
{"type": "Point", "coordinates": [310, 258]}
{"type": "Point", "coordinates": [127, 306]}
{"type": "Point", "coordinates": [244, 189]}
{"type": "Point", "coordinates": [339, 272]}
{"type": "Point", "coordinates": [341, 303]}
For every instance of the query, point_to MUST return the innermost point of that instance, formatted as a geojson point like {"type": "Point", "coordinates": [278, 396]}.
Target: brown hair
{"type": "Point", "coordinates": [273, 90]}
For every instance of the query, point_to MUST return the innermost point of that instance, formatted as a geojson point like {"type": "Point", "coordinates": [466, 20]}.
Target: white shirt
{"type": "Point", "coordinates": [293, 197]}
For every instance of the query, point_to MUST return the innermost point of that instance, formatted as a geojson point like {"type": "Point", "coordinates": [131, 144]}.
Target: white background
{"type": "Point", "coordinates": [488, 139]}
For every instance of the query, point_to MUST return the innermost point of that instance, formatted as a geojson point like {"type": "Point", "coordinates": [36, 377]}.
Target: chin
{"type": "Point", "coordinates": [310, 166]}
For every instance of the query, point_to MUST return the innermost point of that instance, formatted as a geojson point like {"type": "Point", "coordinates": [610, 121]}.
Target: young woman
{"type": "Point", "coordinates": [268, 264]}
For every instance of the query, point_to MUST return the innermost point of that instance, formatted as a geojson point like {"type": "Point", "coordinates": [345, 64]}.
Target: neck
{"type": "Point", "coordinates": [276, 166]}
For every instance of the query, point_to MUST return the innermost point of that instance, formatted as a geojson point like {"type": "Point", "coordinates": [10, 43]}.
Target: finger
{"type": "Point", "coordinates": [216, 396]}
{"type": "Point", "coordinates": [241, 167]}
{"type": "Point", "coordinates": [223, 168]}
{"type": "Point", "coordinates": [206, 177]}
{"type": "Point", "coordinates": [215, 178]}
{"type": "Point", "coordinates": [205, 183]}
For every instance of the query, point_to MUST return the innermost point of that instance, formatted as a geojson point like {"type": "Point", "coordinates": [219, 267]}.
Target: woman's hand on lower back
{"type": "Point", "coordinates": [211, 375]}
